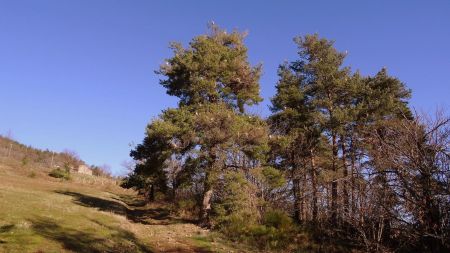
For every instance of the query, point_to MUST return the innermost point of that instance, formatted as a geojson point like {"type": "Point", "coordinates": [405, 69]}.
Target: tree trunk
{"type": "Point", "coordinates": [430, 214]}
{"type": "Point", "coordinates": [151, 193]}
{"type": "Point", "coordinates": [304, 210]}
{"type": "Point", "coordinates": [313, 186]}
{"type": "Point", "coordinates": [208, 190]}
{"type": "Point", "coordinates": [297, 200]}
{"type": "Point", "coordinates": [206, 205]}
{"type": "Point", "coordinates": [345, 175]}
{"type": "Point", "coordinates": [334, 184]}
{"type": "Point", "coordinates": [352, 179]}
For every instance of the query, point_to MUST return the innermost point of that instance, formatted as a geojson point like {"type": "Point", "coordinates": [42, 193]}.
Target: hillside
{"type": "Point", "coordinates": [15, 154]}
{"type": "Point", "coordinates": [39, 213]}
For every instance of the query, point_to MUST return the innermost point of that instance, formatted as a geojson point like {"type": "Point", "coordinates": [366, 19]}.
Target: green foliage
{"type": "Point", "coordinates": [236, 205]}
{"type": "Point", "coordinates": [186, 207]}
{"type": "Point", "coordinates": [243, 167]}
{"type": "Point", "coordinates": [235, 215]}
{"type": "Point", "coordinates": [273, 177]}
{"type": "Point", "coordinates": [318, 90]}
{"type": "Point", "coordinates": [319, 111]}
{"type": "Point", "coordinates": [278, 219]}
{"type": "Point", "coordinates": [191, 145]}
{"type": "Point", "coordinates": [60, 173]}
{"type": "Point", "coordinates": [213, 68]}
{"type": "Point", "coordinates": [276, 230]}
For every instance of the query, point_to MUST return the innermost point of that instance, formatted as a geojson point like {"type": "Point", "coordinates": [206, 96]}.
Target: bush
{"type": "Point", "coordinates": [276, 231]}
{"type": "Point", "coordinates": [32, 174]}
{"type": "Point", "coordinates": [60, 173]}
{"type": "Point", "coordinates": [237, 213]}
{"type": "Point", "coordinates": [186, 208]}
{"type": "Point", "coordinates": [278, 219]}
{"type": "Point", "coordinates": [159, 196]}
{"type": "Point", "coordinates": [234, 209]}
{"type": "Point", "coordinates": [24, 162]}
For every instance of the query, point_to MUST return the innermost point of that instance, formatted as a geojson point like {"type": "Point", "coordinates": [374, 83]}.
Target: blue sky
{"type": "Point", "coordinates": [80, 74]}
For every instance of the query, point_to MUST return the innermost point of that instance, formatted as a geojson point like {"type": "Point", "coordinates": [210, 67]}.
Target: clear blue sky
{"type": "Point", "coordinates": [80, 74]}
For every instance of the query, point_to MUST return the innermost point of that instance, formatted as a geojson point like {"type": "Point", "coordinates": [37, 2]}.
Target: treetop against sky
{"type": "Point", "coordinates": [80, 74]}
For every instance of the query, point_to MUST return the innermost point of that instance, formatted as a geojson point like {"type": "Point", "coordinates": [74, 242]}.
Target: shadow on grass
{"type": "Point", "coordinates": [5, 229]}
{"type": "Point", "coordinates": [181, 250]}
{"type": "Point", "coordinates": [130, 200]}
{"type": "Point", "coordinates": [83, 241]}
{"type": "Point", "coordinates": [134, 210]}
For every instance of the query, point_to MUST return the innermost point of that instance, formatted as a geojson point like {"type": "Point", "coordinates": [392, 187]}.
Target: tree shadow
{"type": "Point", "coordinates": [130, 200]}
{"type": "Point", "coordinates": [171, 250]}
{"type": "Point", "coordinates": [120, 240]}
{"type": "Point", "coordinates": [95, 202]}
{"type": "Point", "coordinates": [5, 229]}
{"type": "Point", "coordinates": [135, 210]}
{"type": "Point", "coordinates": [82, 241]}
{"type": "Point", "coordinates": [181, 250]}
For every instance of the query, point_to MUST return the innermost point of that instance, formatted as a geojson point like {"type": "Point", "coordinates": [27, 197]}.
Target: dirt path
{"type": "Point", "coordinates": [155, 224]}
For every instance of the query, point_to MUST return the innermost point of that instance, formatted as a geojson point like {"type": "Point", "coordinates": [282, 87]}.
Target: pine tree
{"type": "Point", "coordinates": [209, 133]}
{"type": "Point", "coordinates": [326, 84]}
{"type": "Point", "coordinates": [320, 113]}
{"type": "Point", "coordinates": [296, 134]}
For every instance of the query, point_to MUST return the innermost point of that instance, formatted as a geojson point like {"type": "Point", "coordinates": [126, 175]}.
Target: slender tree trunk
{"type": "Point", "coordinates": [362, 200]}
{"type": "Point", "coordinates": [352, 179]}
{"type": "Point", "coordinates": [151, 193]}
{"type": "Point", "coordinates": [297, 191]}
{"type": "Point", "coordinates": [297, 199]}
{"type": "Point", "coordinates": [304, 210]}
{"type": "Point", "coordinates": [345, 175]}
{"type": "Point", "coordinates": [174, 191]}
{"type": "Point", "coordinates": [313, 186]}
{"type": "Point", "coordinates": [334, 184]}
{"type": "Point", "coordinates": [430, 214]}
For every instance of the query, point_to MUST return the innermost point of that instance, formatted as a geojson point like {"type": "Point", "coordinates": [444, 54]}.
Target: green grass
{"type": "Point", "coordinates": [203, 242]}
{"type": "Point", "coordinates": [44, 214]}
{"type": "Point", "coordinates": [37, 216]}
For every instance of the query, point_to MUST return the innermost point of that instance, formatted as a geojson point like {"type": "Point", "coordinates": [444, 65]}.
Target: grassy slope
{"type": "Point", "coordinates": [42, 214]}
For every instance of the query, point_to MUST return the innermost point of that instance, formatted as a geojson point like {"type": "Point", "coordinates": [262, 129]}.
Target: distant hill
{"type": "Point", "coordinates": [16, 154]}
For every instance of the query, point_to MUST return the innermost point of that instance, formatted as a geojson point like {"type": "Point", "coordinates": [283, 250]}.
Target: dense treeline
{"type": "Point", "coordinates": [341, 160]}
